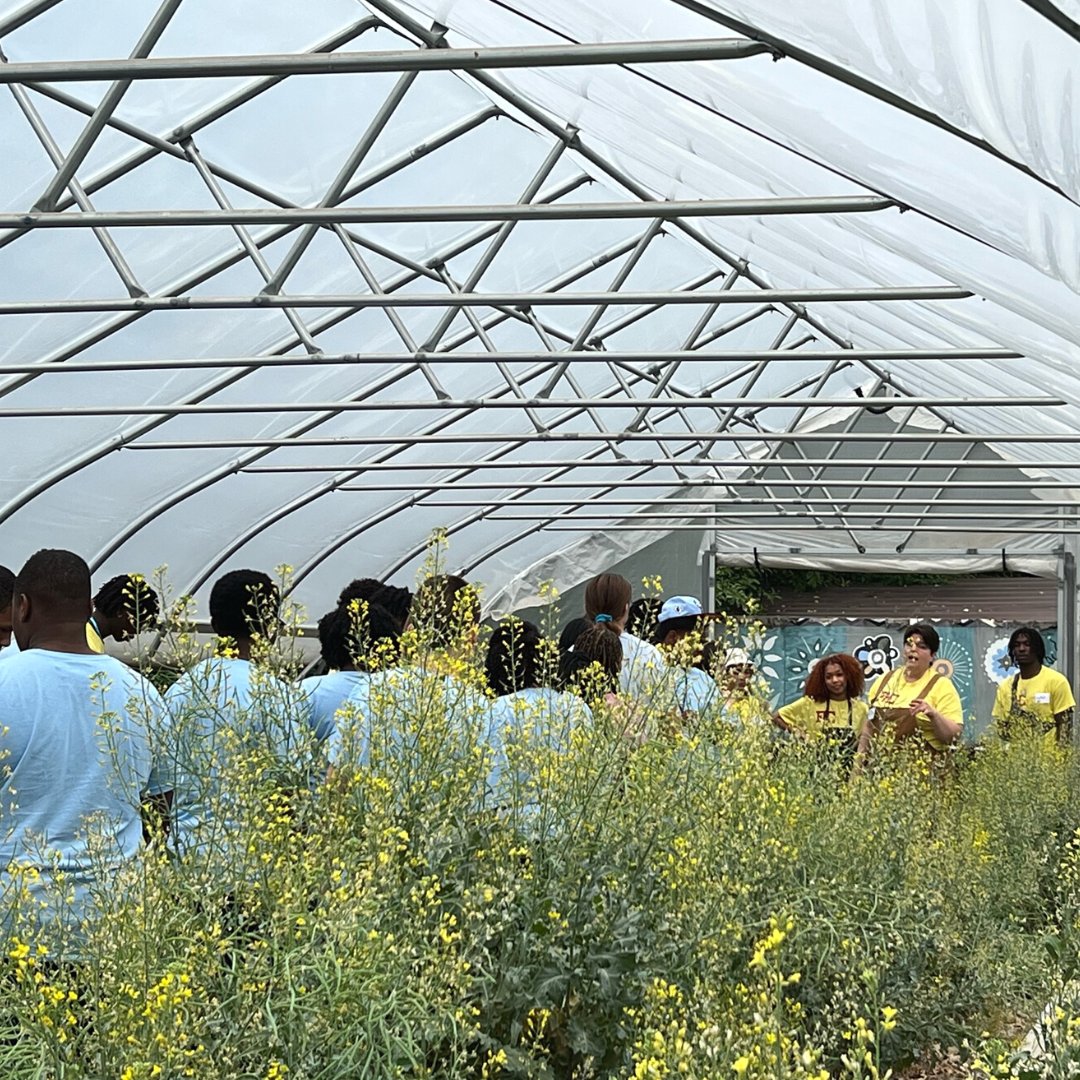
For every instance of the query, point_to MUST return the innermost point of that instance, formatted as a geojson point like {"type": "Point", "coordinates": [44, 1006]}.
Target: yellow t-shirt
{"type": "Point", "coordinates": [93, 639]}
{"type": "Point", "coordinates": [812, 718]}
{"type": "Point", "coordinates": [1040, 698]}
{"type": "Point", "coordinates": [900, 693]}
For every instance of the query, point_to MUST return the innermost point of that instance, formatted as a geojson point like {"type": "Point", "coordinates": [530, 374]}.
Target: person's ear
{"type": "Point", "coordinates": [23, 608]}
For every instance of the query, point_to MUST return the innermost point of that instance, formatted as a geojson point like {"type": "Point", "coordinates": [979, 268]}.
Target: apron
{"type": "Point", "coordinates": [902, 719]}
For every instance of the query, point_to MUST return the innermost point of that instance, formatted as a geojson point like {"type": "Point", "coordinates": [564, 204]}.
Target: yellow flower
{"type": "Point", "coordinates": [741, 1064]}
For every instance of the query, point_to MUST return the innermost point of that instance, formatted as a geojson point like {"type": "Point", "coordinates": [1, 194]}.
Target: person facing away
{"type": "Point", "coordinates": [830, 706]}
{"type": "Point", "coordinates": [224, 707]}
{"type": "Point", "coordinates": [75, 752]}
{"type": "Point", "coordinates": [8, 646]}
{"type": "Point", "coordinates": [607, 604]}
{"type": "Point", "coordinates": [376, 652]}
{"type": "Point", "coordinates": [340, 634]}
{"type": "Point", "coordinates": [123, 607]}
{"type": "Point", "coordinates": [344, 638]}
{"type": "Point", "coordinates": [445, 614]}
{"type": "Point", "coordinates": [915, 702]}
{"type": "Point", "coordinates": [1036, 699]}
{"type": "Point", "coordinates": [678, 637]}
{"type": "Point", "coordinates": [528, 713]}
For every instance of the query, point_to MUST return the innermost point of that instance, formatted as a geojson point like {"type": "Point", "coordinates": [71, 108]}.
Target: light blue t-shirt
{"type": "Point", "coordinates": [219, 710]}
{"type": "Point", "coordinates": [536, 719]}
{"type": "Point", "coordinates": [695, 690]}
{"type": "Point", "coordinates": [325, 694]}
{"type": "Point", "coordinates": [396, 705]}
{"type": "Point", "coordinates": [76, 760]}
{"type": "Point", "coordinates": [10, 650]}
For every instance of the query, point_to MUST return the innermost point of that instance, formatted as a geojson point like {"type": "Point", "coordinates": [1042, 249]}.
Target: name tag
{"type": "Point", "coordinates": [1042, 699]}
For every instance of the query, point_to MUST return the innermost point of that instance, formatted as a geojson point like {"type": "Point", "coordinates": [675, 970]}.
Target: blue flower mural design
{"type": "Point", "coordinates": [877, 654]}
{"type": "Point", "coordinates": [997, 663]}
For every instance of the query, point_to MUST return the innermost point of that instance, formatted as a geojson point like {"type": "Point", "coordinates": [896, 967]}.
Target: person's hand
{"type": "Point", "coordinates": [921, 705]}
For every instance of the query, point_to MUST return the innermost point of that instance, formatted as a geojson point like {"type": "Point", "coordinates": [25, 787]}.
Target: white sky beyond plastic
{"type": "Point", "coordinates": [962, 114]}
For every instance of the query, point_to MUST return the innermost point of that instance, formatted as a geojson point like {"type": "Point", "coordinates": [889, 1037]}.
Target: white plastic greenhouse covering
{"type": "Point", "coordinates": [300, 283]}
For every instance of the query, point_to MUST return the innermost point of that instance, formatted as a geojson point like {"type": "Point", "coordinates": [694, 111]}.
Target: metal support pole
{"type": "Point", "coordinates": [339, 63]}
{"type": "Point", "coordinates": [733, 505]}
{"type": "Point", "coordinates": [383, 215]}
{"type": "Point", "coordinates": [797, 528]}
{"type": "Point", "coordinates": [896, 522]}
{"type": "Point", "coordinates": [1066, 619]}
{"type": "Point", "coordinates": [667, 483]}
{"type": "Point", "coordinates": [739, 466]}
{"type": "Point", "coordinates": [586, 356]}
{"type": "Point", "coordinates": [242, 407]}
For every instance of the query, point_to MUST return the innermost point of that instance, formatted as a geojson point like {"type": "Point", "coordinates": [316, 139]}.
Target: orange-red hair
{"type": "Point", "coordinates": [853, 672]}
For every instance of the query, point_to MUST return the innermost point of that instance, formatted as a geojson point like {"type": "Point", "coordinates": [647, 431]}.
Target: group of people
{"type": "Point", "coordinates": [916, 703]}
{"type": "Point", "coordinates": [89, 746]}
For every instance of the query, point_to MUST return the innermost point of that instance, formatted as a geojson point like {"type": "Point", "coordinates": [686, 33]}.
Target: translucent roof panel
{"type": "Point", "coordinates": [302, 284]}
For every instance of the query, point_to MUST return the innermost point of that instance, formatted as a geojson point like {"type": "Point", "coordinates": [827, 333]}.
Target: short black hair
{"type": "Point", "coordinates": [374, 637]}
{"type": "Point", "coordinates": [244, 603]}
{"type": "Point", "coordinates": [7, 586]}
{"type": "Point", "coordinates": [679, 622]}
{"type": "Point", "coordinates": [363, 588]}
{"type": "Point", "coordinates": [397, 600]}
{"type": "Point", "coordinates": [335, 638]}
{"type": "Point", "coordinates": [129, 594]}
{"type": "Point", "coordinates": [352, 634]}
{"type": "Point", "coordinates": [57, 580]}
{"type": "Point", "coordinates": [444, 605]}
{"type": "Point", "coordinates": [513, 657]}
{"type": "Point", "coordinates": [1035, 640]}
{"type": "Point", "coordinates": [927, 633]}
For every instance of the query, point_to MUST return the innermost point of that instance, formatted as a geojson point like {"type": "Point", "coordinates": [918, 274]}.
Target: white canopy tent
{"type": "Point", "coordinates": [299, 284]}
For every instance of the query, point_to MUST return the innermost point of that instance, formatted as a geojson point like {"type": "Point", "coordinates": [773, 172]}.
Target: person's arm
{"type": "Point", "coordinates": [945, 730]}
{"type": "Point", "coordinates": [780, 722]}
{"type": "Point", "coordinates": [1063, 726]}
{"type": "Point", "coordinates": [1063, 703]}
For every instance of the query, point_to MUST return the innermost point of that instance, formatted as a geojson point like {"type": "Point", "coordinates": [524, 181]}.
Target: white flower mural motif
{"type": "Point", "coordinates": [764, 655]}
{"type": "Point", "coordinates": [805, 655]}
{"type": "Point", "coordinates": [997, 663]}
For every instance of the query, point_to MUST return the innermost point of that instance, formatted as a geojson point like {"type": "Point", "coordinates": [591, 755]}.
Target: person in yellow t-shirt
{"type": "Point", "coordinates": [123, 607]}
{"type": "Point", "coordinates": [1037, 699]}
{"type": "Point", "coordinates": [914, 700]}
{"type": "Point", "coordinates": [830, 704]}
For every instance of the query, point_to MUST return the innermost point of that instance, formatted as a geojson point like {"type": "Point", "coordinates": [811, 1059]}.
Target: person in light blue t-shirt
{"type": "Point", "coordinates": [401, 703]}
{"type": "Point", "coordinates": [75, 756]}
{"type": "Point", "coordinates": [345, 638]}
{"type": "Point", "coordinates": [222, 709]}
{"type": "Point", "coordinates": [528, 718]}
{"type": "Point", "coordinates": [325, 694]}
{"type": "Point", "coordinates": [693, 689]}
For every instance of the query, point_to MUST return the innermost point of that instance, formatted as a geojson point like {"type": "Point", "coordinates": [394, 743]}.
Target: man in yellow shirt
{"type": "Point", "coordinates": [1037, 699]}
{"type": "Point", "coordinates": [124, 606]}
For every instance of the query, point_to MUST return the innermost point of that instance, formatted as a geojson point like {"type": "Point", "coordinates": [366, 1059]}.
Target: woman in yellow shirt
{"type": "Point", "coordinates": [830, 703]}
{"type": "Point", "coordinates": [914, 701]}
